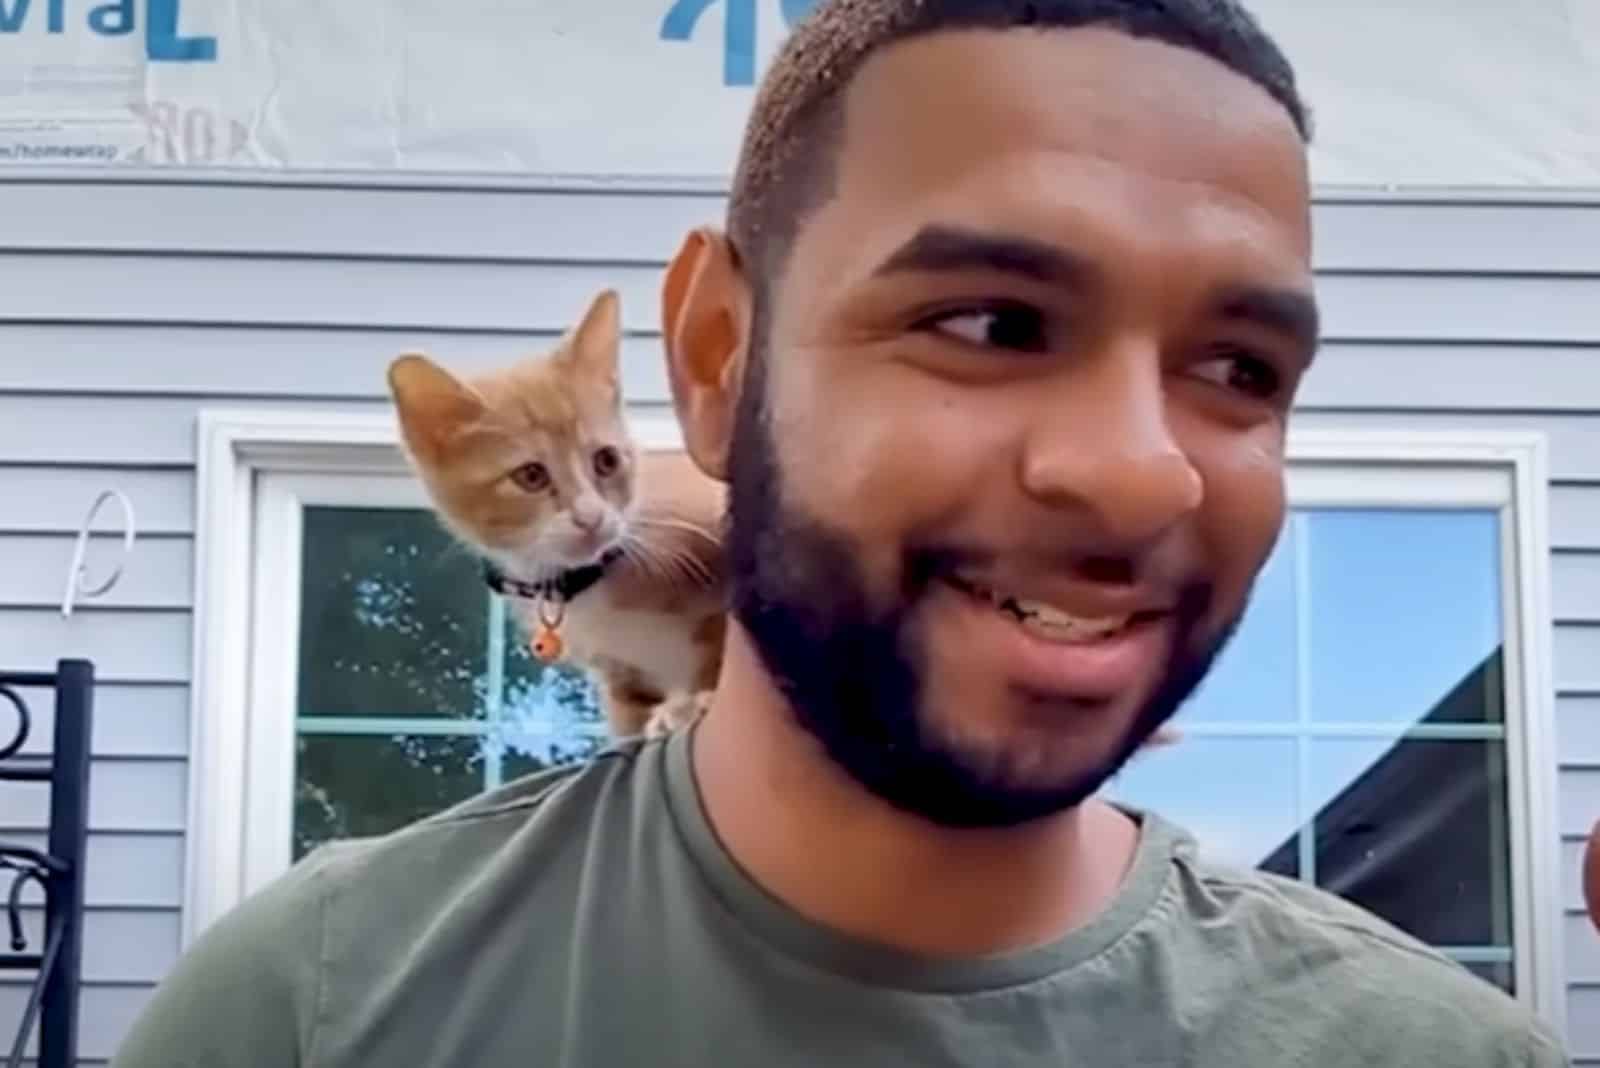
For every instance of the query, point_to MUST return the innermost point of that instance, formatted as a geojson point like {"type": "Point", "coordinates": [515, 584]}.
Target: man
{"type": "Point", "coordinates": [996, 357]}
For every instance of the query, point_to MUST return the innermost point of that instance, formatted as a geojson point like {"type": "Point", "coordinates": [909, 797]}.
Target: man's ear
{"type": "Point", "coordinates": [705, 322]}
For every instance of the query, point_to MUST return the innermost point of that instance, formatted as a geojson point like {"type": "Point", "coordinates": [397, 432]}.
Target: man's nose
{"type": "Point", "coordinates": [1103, 445]}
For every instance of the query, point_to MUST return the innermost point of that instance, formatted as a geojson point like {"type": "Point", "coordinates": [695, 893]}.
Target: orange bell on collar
{"type": "Point", "coordinates": [547, 644]}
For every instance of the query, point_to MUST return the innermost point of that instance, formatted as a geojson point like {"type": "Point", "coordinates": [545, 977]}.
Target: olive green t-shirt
{"type": "Point", "coordinates": [590, 917]}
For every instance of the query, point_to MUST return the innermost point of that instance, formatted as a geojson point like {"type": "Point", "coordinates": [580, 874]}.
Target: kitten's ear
{"type": "Point", "coordinates": [595, 346]}
{"type": "Point", "coordinates": [705, 320]}
{"type": "Point", "coordinates": [433, 405]}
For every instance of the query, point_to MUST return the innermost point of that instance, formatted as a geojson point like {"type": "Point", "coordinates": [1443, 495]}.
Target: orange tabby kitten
{"type": "Point", "coordinates": [610, 555]}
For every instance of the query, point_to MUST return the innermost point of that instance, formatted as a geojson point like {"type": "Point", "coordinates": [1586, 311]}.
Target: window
{"type": "Point", "coordinates": [412, 688]}
{"type": "Point", "coordinates": [1387, 694]}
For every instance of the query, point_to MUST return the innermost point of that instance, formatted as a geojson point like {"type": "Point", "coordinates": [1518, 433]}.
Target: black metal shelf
{"type": "Point", "coordinates": [58, 871]}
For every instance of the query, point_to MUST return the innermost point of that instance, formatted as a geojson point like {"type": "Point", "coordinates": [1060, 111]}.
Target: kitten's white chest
{"type": "Point", "coordinates": [660, 645]}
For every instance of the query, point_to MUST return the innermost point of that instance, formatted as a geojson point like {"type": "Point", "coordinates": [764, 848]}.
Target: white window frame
{"type": "Point", "coordinates": [241, 756]}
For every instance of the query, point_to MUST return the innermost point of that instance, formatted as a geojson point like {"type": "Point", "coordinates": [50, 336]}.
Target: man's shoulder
{"type": "Point", "coordinates": [1306, 946]}
{"type": "Point", "coordinates": [1264, 903]}
{"type": "Point", "coordinates": [310, 944]}
{"type": "Point", "coordinates": [529, 820]}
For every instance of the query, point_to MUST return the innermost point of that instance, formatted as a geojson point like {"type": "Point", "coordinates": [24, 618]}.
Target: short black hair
{"type": "Point", "coordinates": [786, 161]}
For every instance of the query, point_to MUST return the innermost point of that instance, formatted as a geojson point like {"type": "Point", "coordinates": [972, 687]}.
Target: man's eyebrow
{"type": "Point", "coordinates": [1292, 312]}
{"type": "Point", "coordinates": [939, 248]}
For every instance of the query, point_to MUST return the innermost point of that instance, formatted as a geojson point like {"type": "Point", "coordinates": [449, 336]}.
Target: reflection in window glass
{"type": "Point", "coordinates": [357, 785]}
{"type": "Point", "coordinates": [1256, 677]}
{"type": "Point", "coordinates": [392, 618]}
{"type": "Point", "coordinates": [1403, 607]}
{"type": "Point", "coordinates": [1237, 796]}
{"type": "Point", "coordinates": [1501, 975]}
{"type": "Point", "coordinates": [1416, 832]}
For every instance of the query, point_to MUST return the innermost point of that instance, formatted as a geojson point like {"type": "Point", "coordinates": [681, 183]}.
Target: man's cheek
{"type": "Point", "coordinates": [1243, 504]}
{"type": "Point", "coordinates": [869, 475]}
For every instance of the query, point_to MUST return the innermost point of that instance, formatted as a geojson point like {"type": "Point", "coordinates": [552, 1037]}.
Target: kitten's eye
{"type": "Point", "coordinates": [534, 477]}
{"type": "Point", "coordinates": [1242, 371]}
{"type": "Point", "coordinates": [606, 461]}
{"type": "Point", "coordinates": [1015, 327]}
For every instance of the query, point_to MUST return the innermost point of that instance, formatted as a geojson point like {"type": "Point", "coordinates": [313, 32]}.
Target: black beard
{"type": "Point", "coordinates": [851, 670]}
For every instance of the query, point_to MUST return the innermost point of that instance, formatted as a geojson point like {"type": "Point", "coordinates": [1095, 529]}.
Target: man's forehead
{"type": "Point", "coordinates": [929, 111]}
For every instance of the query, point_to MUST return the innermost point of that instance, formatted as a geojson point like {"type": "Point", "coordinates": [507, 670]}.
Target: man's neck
{"type": "Point", "coordinates": [842, 857]}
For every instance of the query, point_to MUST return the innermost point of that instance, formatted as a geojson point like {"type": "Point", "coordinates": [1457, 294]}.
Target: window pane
{"type": "Point", "coordinates": [366, 784]}
{"type": "Point", "coordinates": [1236, 795]}
{"type": "Point", "coordinates": [1255, 678]}
{"type": "Point", "coordinates": [1404, 610]}
{"type": "Point", "coordinates": [393, 618]}
{"type": "Point", "coordinates": [1416, 832]}
{"type": "Point", "coordinates": [1501, 975]}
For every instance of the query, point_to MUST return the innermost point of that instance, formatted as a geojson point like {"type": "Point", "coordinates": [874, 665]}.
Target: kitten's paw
{"type": "Point", "coordinates": [679, 710]}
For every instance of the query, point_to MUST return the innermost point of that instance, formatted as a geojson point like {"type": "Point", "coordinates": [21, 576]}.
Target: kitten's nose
{"type": "Point", "coordinates": [587, 516]}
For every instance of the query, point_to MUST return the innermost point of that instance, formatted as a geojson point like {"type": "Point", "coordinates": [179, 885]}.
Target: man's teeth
{"type": "Point", "coordinates": [1049, 620]}
{"type": "Point", "coordinates": [1049, 616]}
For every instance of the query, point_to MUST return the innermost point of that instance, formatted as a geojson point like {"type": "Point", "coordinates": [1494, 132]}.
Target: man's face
{"type": "Point", "coordinates": [1011, 454]}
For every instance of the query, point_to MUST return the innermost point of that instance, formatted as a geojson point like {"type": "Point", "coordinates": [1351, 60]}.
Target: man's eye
{"type": "Point", "coordinates": [1016, 328]}
{"type": "Point", "coordinates": [1242, 372]}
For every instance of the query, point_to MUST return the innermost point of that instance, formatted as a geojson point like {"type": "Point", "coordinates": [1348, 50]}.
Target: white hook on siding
{"type": "Point", "coordinates": [77, 573]}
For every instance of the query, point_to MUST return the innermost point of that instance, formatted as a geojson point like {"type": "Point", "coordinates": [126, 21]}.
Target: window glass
{"type": "Point", "coordinates": [1256, 678]}
{"type": "Point", "coordinates": [354, 785]}
{"type": "Point", "coordinates": [392, 619]}
{"type": "Point", "coordinates": [415, 691]}
{"type": "Point", "coordinates": [1404, 610]}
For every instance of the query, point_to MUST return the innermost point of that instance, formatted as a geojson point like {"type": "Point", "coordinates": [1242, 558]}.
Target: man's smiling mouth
{"type": "Point", "coordinates": [1047, 620]}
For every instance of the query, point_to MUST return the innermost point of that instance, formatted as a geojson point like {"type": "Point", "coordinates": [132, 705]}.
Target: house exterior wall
{"type": "Point", "coordinates": [127, 307]}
